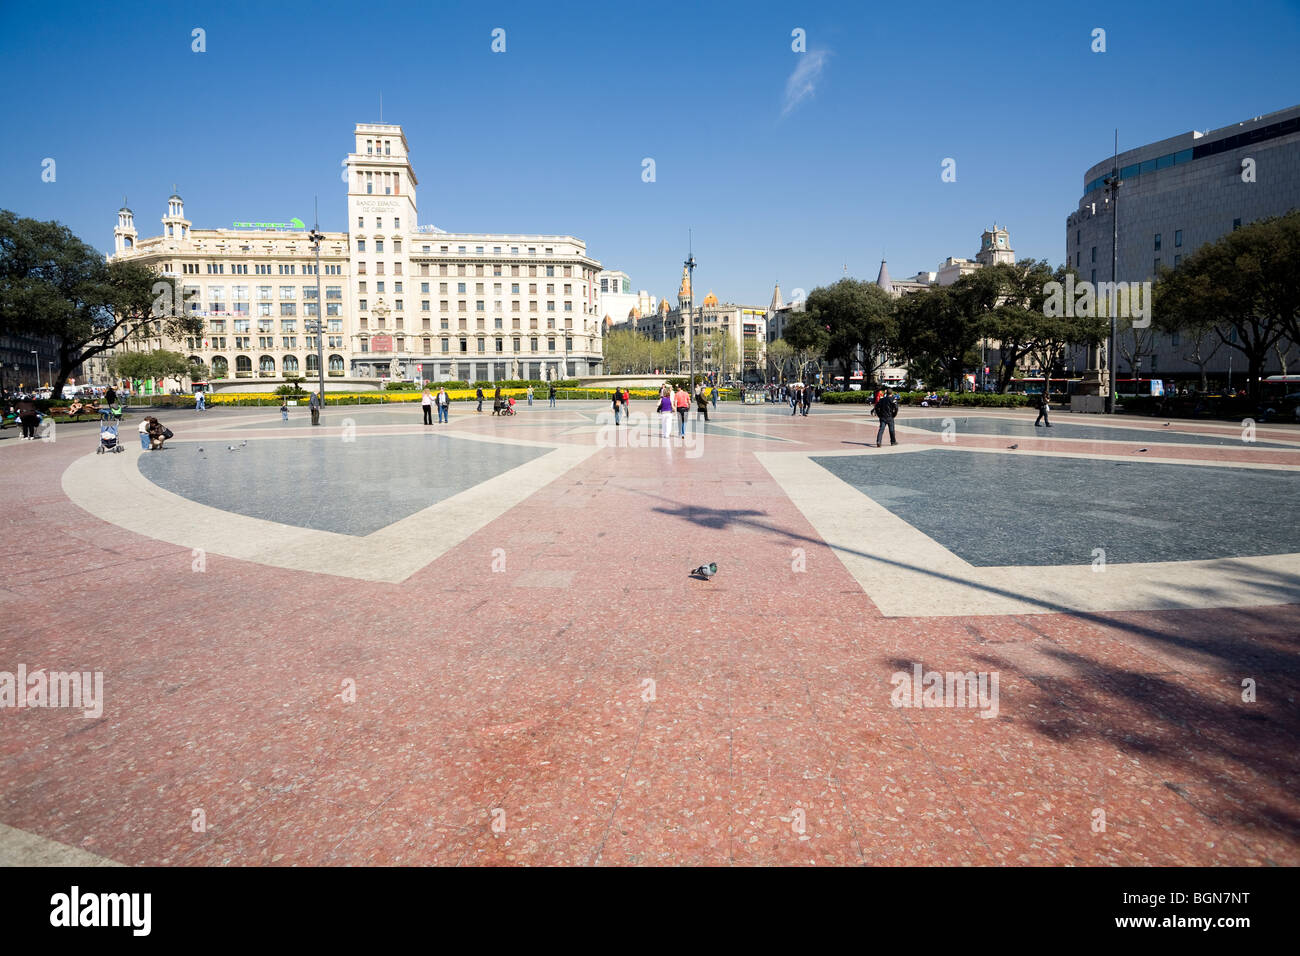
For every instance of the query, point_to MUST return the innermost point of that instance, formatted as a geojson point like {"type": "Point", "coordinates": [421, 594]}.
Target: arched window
{"type": "Point", "coordinates": [311, 362]}
{"type": "Point", "coordinates": [195, 360]}
{"type": "Point", "coordinates": [290, 363]}
{"type": "Point", "coordinates": [266, 365]}
{"type": "Point", "coordinates": [336, 363]}
{"type": "Point", "coordinates": [220, 367]}
{"type": "Point", "coordinates": [243, 363]}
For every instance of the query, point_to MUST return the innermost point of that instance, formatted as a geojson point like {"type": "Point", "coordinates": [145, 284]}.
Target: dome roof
{"type": "Point", "coordinates": [635, 313]}
{"type": "Point", "coordinates": [710, 299]}
{"type": "Point", "coordinates": [608, 320]}
{"type": "Point", "coordinates": [663, 306]}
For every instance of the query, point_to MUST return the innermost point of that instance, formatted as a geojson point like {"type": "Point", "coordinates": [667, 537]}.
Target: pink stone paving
{"type": "Point", "coordinates": [592, 704]}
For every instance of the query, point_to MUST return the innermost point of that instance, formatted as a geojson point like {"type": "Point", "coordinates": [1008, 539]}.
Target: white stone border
{"type": "Point", "coordinates": [112, 488]}
{"type": "Point", "coordinates": [909, 574]}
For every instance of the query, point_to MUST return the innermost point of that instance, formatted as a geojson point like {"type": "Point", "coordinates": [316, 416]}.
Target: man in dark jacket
{"type": "Point", "coordinates": [478, 394]}
{"type": "Point", "coordinates": [886, 409]}
{"type": "Point", "coordinates": [1043, 406]}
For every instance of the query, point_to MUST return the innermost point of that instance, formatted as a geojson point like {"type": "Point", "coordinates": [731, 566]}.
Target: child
{"type": "Point", "coordinates": [284, 411]}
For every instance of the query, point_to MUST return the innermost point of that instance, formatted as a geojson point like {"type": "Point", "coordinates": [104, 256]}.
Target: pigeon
{"type": "Point", "coordinates": [1142, 449]}
{"type": "Point", "coordinates": [705, 571]}
{"type": "Point", "coordinates": [1165, 425]}
{"type": "Point", "coordinates": [1017, 445]}
{"type": "Point", "coordinates": [230, 448]}
{"type": "Point", "coordinates": [200, 450]}
{"type": "Point", "coordinates": [243, 443]}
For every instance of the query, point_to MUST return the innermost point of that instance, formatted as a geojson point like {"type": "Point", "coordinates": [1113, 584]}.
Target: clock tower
{"type": "Point", "coordinates": [995, 247]}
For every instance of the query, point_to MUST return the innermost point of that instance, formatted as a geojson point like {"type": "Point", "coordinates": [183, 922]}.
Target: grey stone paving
{"type": "Point", "coordinates": [1069, 427]}
{"type": "Point", "coordinates": [996, 510]}
{"type": "Point", "coordinates": [328, 484]}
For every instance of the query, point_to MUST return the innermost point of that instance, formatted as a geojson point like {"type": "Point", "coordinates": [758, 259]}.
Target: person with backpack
{"type": "Point", "coordinates": [618, 406]}
{"type": "Point", "coordinates": [886, 409]}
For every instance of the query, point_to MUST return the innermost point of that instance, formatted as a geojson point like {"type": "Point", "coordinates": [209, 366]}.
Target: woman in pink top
{"type": "Point", "coordinates": [683, 403]}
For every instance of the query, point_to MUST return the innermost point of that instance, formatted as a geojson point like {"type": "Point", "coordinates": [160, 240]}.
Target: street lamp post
{"type": "Point", "coordinates": [38, 368]}
{"type": "Point", "coordinates": [1112, 183]}
{"type": "Point", "coordinates": [690, 319]}
{"type": "Point", "coordinates": [316, 238]}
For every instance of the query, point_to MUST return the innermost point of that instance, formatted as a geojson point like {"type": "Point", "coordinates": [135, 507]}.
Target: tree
{"type": "Point", "coordinates": [1243, 286]}
{"type": "Point", "coordinates": [807, 339]}
{"type": "Point", "coordinates": [939, 328]}
{"type": "Point", "coordinates": [720, 348]}
{"type": "Point", "coordinates": [1021, 325]}
{"type": "Point", "coordinates": [858, 318]}
{"type": "Point", "coordinates": [158, 363]}
{"type": "Point", "coordinates": [780, 358]}
{"type": "Point", "coordinates": [53, 284]}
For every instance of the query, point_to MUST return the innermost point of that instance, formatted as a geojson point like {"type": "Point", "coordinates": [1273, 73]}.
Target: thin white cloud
{"type": "Point", "coordinates": [803, 81]}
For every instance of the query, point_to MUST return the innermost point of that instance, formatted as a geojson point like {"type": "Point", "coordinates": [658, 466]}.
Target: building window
{"type": "Point", "coordinates": [1157, 242]}
{"type": "Point", "coordinates": [1178, 238]}
{"type": "Point", "coordinates": [1236, 224]}
{"type": "Point", "coordinates": [1178, 260]}
{"type": "Point", "coordinates": [1155, 269]}
{"type": "Point", "coordinates": [1094, 253]}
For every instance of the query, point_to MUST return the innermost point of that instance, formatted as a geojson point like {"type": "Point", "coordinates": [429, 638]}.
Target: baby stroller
{"type": "Point", "coordinates": [508, 406]}
{"type": "Point", "coordinates": [108, 438]}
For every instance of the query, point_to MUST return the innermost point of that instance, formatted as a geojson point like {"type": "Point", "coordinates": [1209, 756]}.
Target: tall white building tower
{"type": "Point", "coordinates": [124, 233]}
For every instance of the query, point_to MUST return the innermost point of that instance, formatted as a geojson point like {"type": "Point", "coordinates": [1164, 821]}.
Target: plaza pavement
{"type": "Point", "coordinates": [377, 642]}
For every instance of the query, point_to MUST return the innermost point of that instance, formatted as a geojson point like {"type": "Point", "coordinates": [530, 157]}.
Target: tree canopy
{"type": "Point", "coordinates": [1245, 287]}
{"type": "Point", "coordinates": [54, 284]}
{"type": "Point", "coordinates": [857, 318]}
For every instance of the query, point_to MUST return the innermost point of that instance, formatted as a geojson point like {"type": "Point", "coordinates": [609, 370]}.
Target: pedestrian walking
{"type": "Point", "coordinates": [886, 409]}
{"type": "Point", "coordinates": [682, 402]}
{"type": "Point", "coordinates": [713, 394]}
{"type": "Point", "coordinates": [530, 396]}
{"type": "Point", "coordinates": [314, 404]}
{"type": "Point", "coordinates": [552, 394]}
{"type": "Point", "coordinates": [618, 406]}
{"type": "Point", "coordinates": [479, 395]}
{"type": "Point", "coordinates": [284, 410]}
{"type": "Point", "coordinates": [794, 402]}
{"type": "Point", "coordinates": [426, 402]}
{"type": "Point", "coordinates": [200, 401]}
{"type": "Point", "coordinates": [443, 401]}
{"type": "Point", "coordinates": [627, 398]}
{"type": "Point", "coordinates": [496, 401]}
{"type": "Point", "coordinates": [1043, 406]}
{"type": "Point", "coordinates": [666, 411]}
{"type": "Point", "coordinates": [806, 400]}
{"type": "Point", "coordinates": [701, 404]}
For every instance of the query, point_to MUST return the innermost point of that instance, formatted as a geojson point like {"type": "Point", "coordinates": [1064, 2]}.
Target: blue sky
{"type": "Point", "coordinates": [778, 178]}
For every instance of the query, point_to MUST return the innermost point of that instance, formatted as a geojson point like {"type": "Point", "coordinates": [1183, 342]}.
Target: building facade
{"type": "Point", "coordinates": [402, 300]}
{"type": "Point", "coordinates": [725, 335]}
{"type": "Point", "coordinates": [1176, 195]}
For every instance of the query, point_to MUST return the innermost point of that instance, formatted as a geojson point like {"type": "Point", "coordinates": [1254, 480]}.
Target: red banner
{"type": "Point", "coordinates": [381, 343]}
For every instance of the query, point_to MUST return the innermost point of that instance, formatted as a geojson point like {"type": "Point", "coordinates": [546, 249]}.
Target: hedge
{"type": "Point", "coordinates": [966, 399]}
